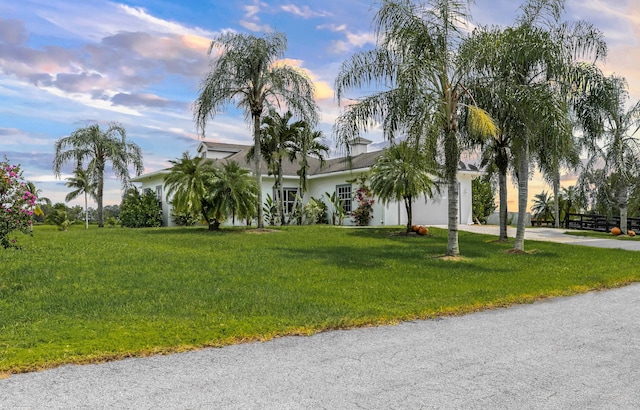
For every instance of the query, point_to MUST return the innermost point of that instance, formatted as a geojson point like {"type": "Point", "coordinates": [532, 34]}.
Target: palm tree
{"type": "Point", "coordinates": [402, 173]}
{"type": "Point", "coordinates": [233, 193]}
{"type": "Point", "coordinates": [98, 147]}
{"type": "Point", "coordinates": [247, 72]}
{"type": "Point", "coordinates": [609, 135]}
{"type": "Point", "coordinates": [277, 143]}
{"type": "Point", "coordinates": [571, 201]}
{"type": "Point", "coordinates": [418, 69]}
{"type": "Point", "coordinates": [307, 144]}
{"type": "Point", "coordinates": [82, 184]}
{"type": "Point", "coordinates": [543, 206]}
{"type": "Point", "coordinates": [188, 183]}
{"type": "Point", "coordinates": [529, 68]}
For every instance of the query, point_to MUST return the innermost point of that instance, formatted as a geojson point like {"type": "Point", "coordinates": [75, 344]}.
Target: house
{"type": "Point", "coordinates": [333, 176]}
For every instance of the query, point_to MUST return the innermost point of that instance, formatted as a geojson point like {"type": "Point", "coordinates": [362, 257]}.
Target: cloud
{"type": "Point", "coordinates": [251, 20]}
{"type": "Point", "coordinates": [351, 41]}
{"type": "Point", "coordinates": [304, 11]}
{"type": "Point", "coordinates": [145, 100]}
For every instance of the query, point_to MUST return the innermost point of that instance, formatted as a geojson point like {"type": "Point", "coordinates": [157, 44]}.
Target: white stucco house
{"type": "Point", "coordinates": [330, 178]}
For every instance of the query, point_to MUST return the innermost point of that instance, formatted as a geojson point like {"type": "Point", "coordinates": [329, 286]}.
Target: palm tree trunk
{"type": "Point", "coordinates": [502, 186]}
{"type": "Point", "coordinates": [280, 194]}
{"type": "Point", "coordinates": [556, 200]}
{"type": "Point", "coordinates": [452, 157]}
{"type": "Point", "coordinates": [258, 172]}
{"type": "Point", "coordinates": [408, 207]}
{"type": "Point", "coordinates": [100, 189]}
{"type": "Point", "coordinates": [523, 192]}
{"type": "Point", "coordinates": [622, 203]}
{"type": "Point", "coordinates": [86, 213]}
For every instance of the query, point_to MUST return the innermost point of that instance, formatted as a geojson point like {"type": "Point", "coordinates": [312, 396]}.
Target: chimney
{"type": "Point", "coordinates": [359, 146]}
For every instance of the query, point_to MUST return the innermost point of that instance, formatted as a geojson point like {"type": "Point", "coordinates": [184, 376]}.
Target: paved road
{"type": "Point", "coordinates": [565, 353]}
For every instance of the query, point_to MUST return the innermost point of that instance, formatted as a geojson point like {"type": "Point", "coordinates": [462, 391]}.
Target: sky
{"type": "Point", "coordinates": [68, 64]}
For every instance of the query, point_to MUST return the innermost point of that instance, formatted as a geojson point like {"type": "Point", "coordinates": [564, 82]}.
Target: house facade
{"type": "Point", "coordinates": [333, 176]}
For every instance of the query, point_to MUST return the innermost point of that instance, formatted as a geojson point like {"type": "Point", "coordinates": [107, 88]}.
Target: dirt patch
{"type": "Point", "coordinates": [261, 231]}
{"type": "Point", "coordinates": [513, 251]}
{"type": "Point", "coordinates": [451, 258]}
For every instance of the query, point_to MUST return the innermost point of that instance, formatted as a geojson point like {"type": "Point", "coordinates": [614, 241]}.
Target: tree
{"type": "Point", "coordinates": [609, 135]}
{"type": "Point", "coordinates": [247, 72]}
{"type": "Point", "coordinates": [188, 184]}
{"type": "Point", "coordinates": [140, 210]}
{"type": "Point", "coordinates": [402, 173]}
{"type": "Point", "coordinates": [97, 147]}
{"type": "Point", "coordinates": [483, 195]}
{"type": "Point", "coordinates": [422, 77]}
{"type": "Point", "coordinates": [232, 193]}
{"type": "Point", "coordinates": [307, 144]}
{"type": "Point", "coordinates": [543, 206]}
{"type": "Point", "coordinates": [16, 203]}
{"type": "Point", "coordinates": [277, 138]}
{"type": "Point", "coordinates": [528, 69]}
{"type": "Point", "coordinates": [82, 184]}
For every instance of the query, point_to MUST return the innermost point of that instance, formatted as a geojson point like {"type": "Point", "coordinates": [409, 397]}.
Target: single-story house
{"type": "Point", "coordinates": [333, 176]}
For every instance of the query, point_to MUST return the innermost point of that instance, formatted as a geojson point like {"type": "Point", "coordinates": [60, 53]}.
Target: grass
{"type": "Point", "coordinates": [603, 235]}
{"type": "Point", "coordinates": [103, 294]}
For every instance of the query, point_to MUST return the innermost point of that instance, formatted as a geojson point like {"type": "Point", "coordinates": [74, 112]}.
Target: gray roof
{"type": "Point", "coordinates": [239, 152]}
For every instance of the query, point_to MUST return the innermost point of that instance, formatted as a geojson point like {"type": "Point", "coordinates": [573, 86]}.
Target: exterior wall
{"type": "Point", "coordinates": [433, 211]}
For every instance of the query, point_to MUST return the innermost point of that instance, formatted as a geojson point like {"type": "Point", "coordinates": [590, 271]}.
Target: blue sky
{"type": "Point", "coordinates": [65, 65]}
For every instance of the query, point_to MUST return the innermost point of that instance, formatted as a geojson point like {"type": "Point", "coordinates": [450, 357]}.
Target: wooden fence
{"type": "Point", "coordinates": [598, 222]}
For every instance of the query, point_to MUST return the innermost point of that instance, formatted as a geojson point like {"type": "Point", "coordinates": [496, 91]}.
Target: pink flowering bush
{"type": "Point", "coordinates": [16, 203]}
{"type": "Point", "coordinates": [364, 212]}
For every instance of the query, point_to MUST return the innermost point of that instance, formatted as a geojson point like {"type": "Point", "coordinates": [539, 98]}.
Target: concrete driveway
{"type": "Point", "coordinates": [580, 352]}
{"type": "Point", "coordinates": [554, 235]}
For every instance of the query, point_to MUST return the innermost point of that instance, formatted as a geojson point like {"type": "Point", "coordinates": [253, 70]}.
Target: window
{"type": "Point", "coordinates": [289, 198]}
{"type": "Point", "coordinates": [343, 192]}
{"type": "Point", "coordinates": [159, 192]}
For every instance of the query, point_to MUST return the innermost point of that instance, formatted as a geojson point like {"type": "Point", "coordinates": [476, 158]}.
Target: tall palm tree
{"type": "Point", "coordinates": [233, 193]}
{"type": "Point", "coordinates": [529, 68]}
{"type": "Point", "coordinates": [188, 183]}
{"type": "Point", "coordinates": [417, 66]}
{"type": "Point", "coordinates": [98, 147]}
{"type": "Point", "coordinates": [247, 72]}
{"type": "Point", "coordinates": [609, 134]}
{"type": "Point", "coordinates": [402, 173]}
{"type": "Point", "coordinates": [82, 184]}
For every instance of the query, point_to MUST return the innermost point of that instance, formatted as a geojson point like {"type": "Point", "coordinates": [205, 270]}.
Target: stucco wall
{"type": "Point", "coordinates": [433, 211]}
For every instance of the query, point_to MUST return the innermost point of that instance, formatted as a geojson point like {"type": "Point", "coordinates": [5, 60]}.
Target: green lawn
{"type": "Point", "coordinates": [603, 235]}
{"type": "Point", "coordinates": [86, 296]}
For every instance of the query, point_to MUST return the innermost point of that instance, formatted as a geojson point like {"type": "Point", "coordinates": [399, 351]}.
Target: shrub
{"type": "Point", "coordinates": [140, 210]}
{"type": "Point", "coordinates": [16, 203]}
{"type": "Point", "coordinates": [364, 212]}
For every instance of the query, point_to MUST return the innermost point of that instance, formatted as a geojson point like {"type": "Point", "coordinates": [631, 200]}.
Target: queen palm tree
{"type": "Point", "coordinates": [188, 184]}
{"type": "Point", "coordinates": [97, 147]}
{"type": "Point", "coordinates": [402, 173]}
{"type": "Point", "coordinates": [609, 135]}
{"type": "Point", "coordinates": [82, 184]}
{"type": "Point", "coordinates": [529, 68]}
{"type": "Point", "coordinates": [422, 80]}
{"type": "Point", "coordinates": [247, 72]}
